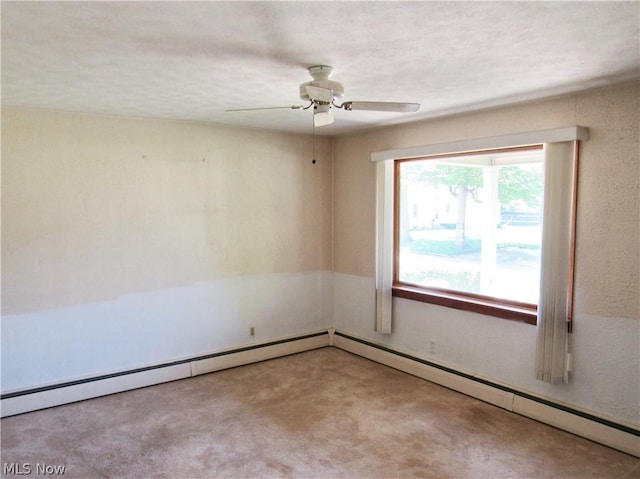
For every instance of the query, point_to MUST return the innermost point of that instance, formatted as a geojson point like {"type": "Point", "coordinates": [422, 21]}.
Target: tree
{"type": "Point", "coordinates": [462, 182]}
{"type": "Point", "coordinates": [521, 182]}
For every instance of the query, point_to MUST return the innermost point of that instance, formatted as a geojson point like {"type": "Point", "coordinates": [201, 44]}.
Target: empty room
{"type": "Point", "coordinates": [320, 239]}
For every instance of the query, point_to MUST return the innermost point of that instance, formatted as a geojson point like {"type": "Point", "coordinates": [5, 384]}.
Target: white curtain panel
{"type": "Point", "coordinates": [556, 268]}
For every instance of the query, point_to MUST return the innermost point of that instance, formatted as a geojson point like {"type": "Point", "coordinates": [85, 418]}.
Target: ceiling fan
{"type": "Point", "coordinates": [324, 94]}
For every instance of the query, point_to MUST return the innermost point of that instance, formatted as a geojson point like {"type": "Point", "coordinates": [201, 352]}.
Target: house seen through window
{"type": "Point", "coordinates": [471, 224]}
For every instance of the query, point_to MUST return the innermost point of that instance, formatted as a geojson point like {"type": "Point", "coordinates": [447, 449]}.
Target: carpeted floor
{"type": "Point", "coordinates": [324, 413]}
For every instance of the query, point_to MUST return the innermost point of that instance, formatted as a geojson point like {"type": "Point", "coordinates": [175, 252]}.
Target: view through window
{"type": "Point", "coordinates": [471, 223]}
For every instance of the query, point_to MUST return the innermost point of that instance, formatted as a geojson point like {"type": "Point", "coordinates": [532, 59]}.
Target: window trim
{"type": "Point", "coordinates": [482, 304]}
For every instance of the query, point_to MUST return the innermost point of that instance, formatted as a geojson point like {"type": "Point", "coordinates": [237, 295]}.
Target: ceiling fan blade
{"type": "Point", "coordinates": [381, 106]}
{"type": "Point", "coordinates": [293, 107]}
{"type": "Point", "coordinates": [317, 93]}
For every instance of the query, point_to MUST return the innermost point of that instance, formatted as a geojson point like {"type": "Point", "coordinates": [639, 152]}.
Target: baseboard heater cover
{"type": "Point", "coordinates": [27, 400]}
{"type": "Point", "coordinates": [603, 431]}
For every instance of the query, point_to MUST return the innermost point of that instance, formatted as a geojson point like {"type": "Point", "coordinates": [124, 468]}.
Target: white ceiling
{"type": "Point", "coordinates": [194, 60]}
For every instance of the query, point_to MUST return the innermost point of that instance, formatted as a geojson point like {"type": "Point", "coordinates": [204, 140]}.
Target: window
{"type": "Point", "coordinates": [553, 316]}
{"type": "Point", "coordinates": [468, 229]}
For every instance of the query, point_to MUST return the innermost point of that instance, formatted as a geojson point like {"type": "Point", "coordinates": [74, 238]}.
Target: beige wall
{"type": "Point", "coordinates": [605, 379]}
{"type": "Point", "coordinates": [96, 207]}
{"type": "Point", "coordinates": [607, 247]}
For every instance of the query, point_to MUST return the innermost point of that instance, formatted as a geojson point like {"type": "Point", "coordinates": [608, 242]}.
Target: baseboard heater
{"type": "Point", "coordinates": [609, 433]}
{"type": "Point", "coordinates": [590, 426]}
{"type": "Point", "coordinates": [32, 399]}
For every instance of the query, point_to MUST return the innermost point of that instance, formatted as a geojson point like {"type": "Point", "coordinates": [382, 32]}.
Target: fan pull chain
{"type": "Point", "coordinates": [313, 138]}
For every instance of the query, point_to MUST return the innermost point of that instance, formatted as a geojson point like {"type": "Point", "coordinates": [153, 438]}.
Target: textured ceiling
{"type": "Point", "coordinates": [194, 60]}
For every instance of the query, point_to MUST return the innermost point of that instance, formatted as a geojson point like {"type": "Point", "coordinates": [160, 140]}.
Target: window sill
{"type": "Point", "coordinates": [476, 305]}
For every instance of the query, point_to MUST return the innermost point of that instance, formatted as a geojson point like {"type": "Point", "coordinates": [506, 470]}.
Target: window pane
{"type": "Point", "coordinates": [471, 227]}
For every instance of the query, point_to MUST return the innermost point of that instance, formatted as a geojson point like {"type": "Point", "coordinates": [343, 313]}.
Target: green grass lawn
{"type": "Point", "coordinates": [470, 246]}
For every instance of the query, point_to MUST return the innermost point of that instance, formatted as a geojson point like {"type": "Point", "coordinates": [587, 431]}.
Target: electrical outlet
{"type": "Point", "coordinates": [252, 332]}
{"type": "Point", "coordinates": [432, 346]}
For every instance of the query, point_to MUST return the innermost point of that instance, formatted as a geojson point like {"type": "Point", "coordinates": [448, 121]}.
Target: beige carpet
{"type": "Point", "coordinates": [324, 413]}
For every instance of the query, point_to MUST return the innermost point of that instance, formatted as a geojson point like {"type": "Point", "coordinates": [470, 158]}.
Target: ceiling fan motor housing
{"type": "Point", "coordinates": [321, 74]}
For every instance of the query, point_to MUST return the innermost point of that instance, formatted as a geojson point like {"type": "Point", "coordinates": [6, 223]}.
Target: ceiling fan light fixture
{"type": "Point", "coordinates": [322, 115]}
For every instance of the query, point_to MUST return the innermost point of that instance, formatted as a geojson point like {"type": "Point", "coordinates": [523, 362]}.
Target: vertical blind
{"type": "Point", "coordinates": [556, 262]}
{"type": "Point", "coordinates": [384, 245]}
